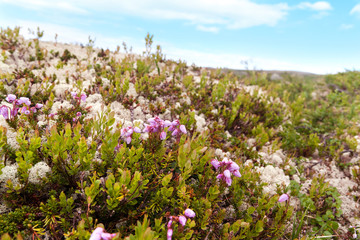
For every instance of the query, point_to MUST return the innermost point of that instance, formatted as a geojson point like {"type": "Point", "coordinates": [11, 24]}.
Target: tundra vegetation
{"type": "Point", "coordinates": [115, 145]}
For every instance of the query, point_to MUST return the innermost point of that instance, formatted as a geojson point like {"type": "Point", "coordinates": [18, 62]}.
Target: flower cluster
{"type": "Point", "coordinates": [159, 125]}
{"type": "Point", "coordinates": [21, 105]}
{"type": "Point", "coordinates": [227, 167]}
{"type": "Point", "coordinates": [176, 128]}
{"type": "Point", "coordinates": [99, 234]}
{"type": "Point", "coordinates": [128, 132]}
{"type": "Point", "coordinates": [82, 96]}
{"type": "Point", "coordinates": [181, 219]}
{"type": "Point", "coordinates": [78, 115]}
{"type": "Point", "coordinates": [156, 125]}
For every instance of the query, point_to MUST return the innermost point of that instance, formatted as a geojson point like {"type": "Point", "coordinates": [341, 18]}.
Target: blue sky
{"type": "Point", "coordinates": [313, 36]}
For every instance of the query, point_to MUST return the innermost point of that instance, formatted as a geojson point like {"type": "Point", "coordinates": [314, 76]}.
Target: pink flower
{"type": "Point", "coordinates": [10, 98]}
{"type": "Point", "coordinates": [189, 213]}
{"type": "Point", "coordinates": [156, 125]}
{"type": "Point", "coordinates": [167, 123]}
{"type": "Point", "coordinates": [159, 125]}
{"type": "Point", "coordinates": [170, 222]}
{"type": "Point", "coordinates": [215, 163]}
{"type": "Point", "coordinates": [162, 135]}
{"type": "Point", "coordinates": [148, 128]}
{"type": "Point", "coordinates": [99, 234]}
{"type": "Point", "coordinates": [284, 197]}
{"type": "Point", "coordinates": [14, 112]}
{"type": "Point", "coordinates": [128, 132]}
{"type": "Point", "coordinates": [74, 94]}
{"type": "Point", "coordinates": [226, 161]}
{"type": "Point", "coordinates": [182, 220]}
{"type": "Point", "coordinates": [4, 110]}
{"type": "Point", "coordinates": [152, 121]}
{"type": "Point", "coordinates": [23, 109]}
{"type": "Point", "coordinates": [24, 100]}
{"type": "Point", "coordinates": [233, 166]}
{"type": "Point", "coordinates": [169, 234]}
{"type": "Point", "coordinates": [176, 128]}
{"type": "Point", "coordinates": [234, 169]}
{"type": "Point", "coordinates": [78, 114]}
{"type": "Point", "coordinates": [229, 167]}
{"type": "Point", "coordinates": [183, 129]}
{"type": "Point", "coordinates": [39, 105]}
{"type": "Point", "coordinates": [83, 97]}
{"type": "Point", "coordinates": [225, 176]}
{"type": "Point", "coordinates": [236, 173]}
{"type": "Point", "coordinates": [175, 132]}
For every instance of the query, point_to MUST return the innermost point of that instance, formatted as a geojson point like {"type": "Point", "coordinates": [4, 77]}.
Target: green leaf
{"type": "Point", "coordinates": [259, 227]}
{"type": "Point", "coordinates": [165, 181]}
{"type": "Point", "coordinates": [250, 210]}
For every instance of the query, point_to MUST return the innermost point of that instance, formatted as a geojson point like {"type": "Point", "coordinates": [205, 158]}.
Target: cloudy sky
{"type": "Point", "coordinates": [312, 36]}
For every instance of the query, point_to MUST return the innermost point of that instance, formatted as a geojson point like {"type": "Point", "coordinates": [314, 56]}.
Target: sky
{"type": "Point", "coordinates": [320, 37]}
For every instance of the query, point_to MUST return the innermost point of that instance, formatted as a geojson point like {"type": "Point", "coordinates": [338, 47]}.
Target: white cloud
{"type": "Point", "coordinates": [207, 29]}
{"type": "Point", "coordinates": [231, 14]}
{"type": "Point", "coordinates": [317, 6]}
{"type": "Point", "coordinates": [346, 26]}
{"type": "Point", "coordinates": [44, 4]}
{"type": "Point", "coordinates": [355, 10]}
{"type": "Point", "coordinates": [71, 35]}
{"type": "Point", "coordinates": [320, 14]}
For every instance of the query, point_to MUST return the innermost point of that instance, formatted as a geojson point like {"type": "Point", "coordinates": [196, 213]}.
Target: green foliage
{"type": "Point", "coordinates": [66, 56]}
{"type": "Point", "coordinates": [9, 39]}
{"type": "Point", "coordinates": [97, 179]}
{"type": "Point", "coordinates": [299, 141]}
{"type": "Point", "coordinates": [143, 231]}
{"type": "Point", "coordinates": [21, 220]}
{"type": "Point", "coordinates": [248, 110]}
{"type": "Point", "coordinates": [68, 153]}
{"type": "Point", "coordinates": [146, 85]}
{"type": "Point", "coordinates": [323, 202]}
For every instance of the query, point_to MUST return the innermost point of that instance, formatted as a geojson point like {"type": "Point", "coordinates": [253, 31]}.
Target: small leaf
{"type": "Point", "coordinates": [165, 181]}
{"type": "Point", "coordinates": [259, 226]}
{"type": "Point", "coordinates": [250, 210]}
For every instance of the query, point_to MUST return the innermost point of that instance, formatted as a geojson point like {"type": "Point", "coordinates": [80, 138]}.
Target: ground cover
{"type": "Point", "coordinates": [142, 147]}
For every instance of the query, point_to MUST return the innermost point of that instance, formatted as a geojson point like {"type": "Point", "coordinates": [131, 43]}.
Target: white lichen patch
{"type": "Point", "coordinates": [38, 172]}
{"type": "Point", "coordinates": [65, 105]}
{"type": "Point", "coordinates": [220, 154]}
{"type": "Point", "coordinates": [4, 209]}
{"type": "Point", "coordinates": [120, 111]}
{"type": "Point", "coordinates": [132, 91]}
{"type": "Point", "coordinates": [61, 89]}
{"type": "Point", "coordinates": [9, 173]}
{"type": "Point", "coordinates": [138, 113]}
{"type": "Point", "coordinates": [200, 123]}
{"type": "Point", "coordinates": [274, 176]}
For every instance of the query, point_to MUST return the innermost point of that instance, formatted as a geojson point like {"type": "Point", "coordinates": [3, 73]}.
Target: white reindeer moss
{"type": "Point", "coordinates": [38, 172]}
